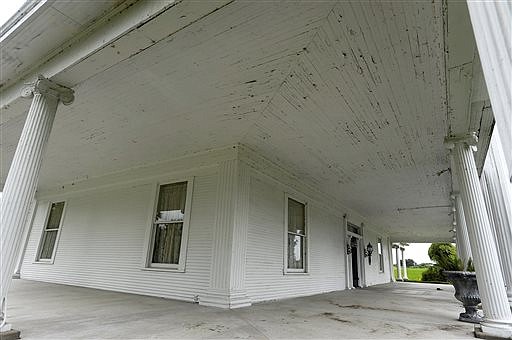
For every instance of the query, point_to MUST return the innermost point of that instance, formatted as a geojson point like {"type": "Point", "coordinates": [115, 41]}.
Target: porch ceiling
{"type": "Point", "coordinates": [350, 97]}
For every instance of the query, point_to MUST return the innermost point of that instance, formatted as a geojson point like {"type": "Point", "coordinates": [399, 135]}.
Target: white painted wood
{"type": "Point", "coordinates": [496, 183]}
{"type": "Point", "coordinates": [404, 264]}
{"type": "Point", "coordinates": [462, 231]}
{"type": "Point", "coordinates": [26, 235]}
{"type": "Point", "coordinates": [398, 266]}
{"type": "Point", "coordinates": [265, 279]}
{"type": "Point", "coordinates": [373, 275]}
{"type": "Point", "coordinates": [366, 134]}
{"type": "Point", "coordinates": [390, 260]}
{"type": "Point", "coordinates": [103, 241]}
{"type": "Point", "coordinates": [493, 35]}
{"type": "Point", "coordinates": [82, 28]}
{"type": "Point", "coordinates": [327, 267]}
{"type": "Point", "coordinates": [228, 264]}
{"type": "Point", "coordinates": [22, 180]}
{"type": "Point", "coordinates": [497, 315]}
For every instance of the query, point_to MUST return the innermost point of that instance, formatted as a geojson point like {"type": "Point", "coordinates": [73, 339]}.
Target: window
{"type": "Point", "coordinates": [296, 230]}
{"type": "Point", "coordinates": [51, 232]}
{"type": "Point", "coordinates": [353, 228]}
{"type": "Point", "coordinates": [381, 255]}
{"type": "Point", "coordinates": [169, 228]}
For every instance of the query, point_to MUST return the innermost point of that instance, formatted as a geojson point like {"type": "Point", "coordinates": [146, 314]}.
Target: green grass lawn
{"type": "Point", "coordinates": [413, 273]}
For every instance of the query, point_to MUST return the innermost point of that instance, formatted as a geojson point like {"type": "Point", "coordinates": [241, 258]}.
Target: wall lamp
{"type": "Point", "coordinates": [368, 252]}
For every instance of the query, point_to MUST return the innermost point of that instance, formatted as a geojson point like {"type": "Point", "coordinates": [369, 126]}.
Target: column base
{"type": "Point", "coordinates": [225, 299]}
{"type": "Point", "coordinates": [7, 333]}
{"type": "Point", "coordinates": [491, 329]}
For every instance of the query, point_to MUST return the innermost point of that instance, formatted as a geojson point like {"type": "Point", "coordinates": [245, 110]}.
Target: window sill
{"type": "Point", "coordinates": [296, 273]}
{"type": "Point", "coordinates": [155, 269]}
{"type": "Point", "coordinates": [43, 262]}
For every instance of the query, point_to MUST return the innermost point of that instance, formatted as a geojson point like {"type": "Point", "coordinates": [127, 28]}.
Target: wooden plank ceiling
{"type": "Point", "coordinates": [349, 96]}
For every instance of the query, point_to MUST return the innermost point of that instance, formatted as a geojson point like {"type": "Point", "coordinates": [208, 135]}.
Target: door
{"type": "Point", "coordinates": [355, 265]}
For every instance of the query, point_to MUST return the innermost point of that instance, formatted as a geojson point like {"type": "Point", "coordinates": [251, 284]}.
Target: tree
{"type": "Point", "coordinates": [445, 257]}
{"type": "Point", "coordinates": [410, 263]}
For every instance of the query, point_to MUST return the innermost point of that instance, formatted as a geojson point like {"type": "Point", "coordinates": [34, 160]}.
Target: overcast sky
{"type": "Point", "coordinates": [416, 251]}
{"type": "Point", "coordinates": [8, 8]}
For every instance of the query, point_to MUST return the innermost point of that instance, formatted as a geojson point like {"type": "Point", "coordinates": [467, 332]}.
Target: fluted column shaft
{"type": "Point", "coordinates": [497, 315]}
{"type": "Point", "coordinates": [390, 262]}
{"type": "Point", "coordinates": [399, 270]}
{"type": "Point", "coordinates": [499, 204]}
{"type": "Point", "coordinates": [462, 232]}
{"type": "Point", "coordinates": [404, 264]}
{"type": "Point", "coordinates": [23, 176]}
{"type": "Point", "coordinates": [227, 280]}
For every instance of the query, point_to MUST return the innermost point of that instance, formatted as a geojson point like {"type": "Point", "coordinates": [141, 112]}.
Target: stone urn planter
{"type": "Point", "coordinates": [466, 291]}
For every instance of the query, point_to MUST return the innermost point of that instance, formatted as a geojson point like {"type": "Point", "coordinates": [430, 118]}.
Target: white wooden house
{"type": "Point", "coordinates": [230, 152]}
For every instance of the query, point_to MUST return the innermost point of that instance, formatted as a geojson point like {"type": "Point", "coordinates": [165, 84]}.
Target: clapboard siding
{"type": "Point", "coordinates": [103, 237]}
{"type": "Point", "coordinates": [373, 274]}
{"type": "Point", "coordinates": [264, 273]}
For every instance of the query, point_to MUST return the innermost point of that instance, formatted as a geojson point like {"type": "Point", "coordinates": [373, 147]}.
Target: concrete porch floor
{"type": "Point", "coordinates": [397, 310]}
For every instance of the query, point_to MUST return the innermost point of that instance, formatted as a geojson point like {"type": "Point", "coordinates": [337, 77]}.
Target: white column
{"type": "Point", "coordinates": [21, 182]}
{"type": "Point", "coordinates": [227, 278]}
{"type": "Point", "coordinates": [493, 35]}
{"type": "Point", "coordinates": [390, 261]}
{"type": "Point", "coordinates": [463, 246]}
{"type": "Point", "coordinates": [399, 270]}
{"type": "Point", "coordinates": [404, 264]}
{"type": "Point", "coordinates": [497, 315]}
{"type": "Point", "coordinates": [348, 263]}
{"type": "Point", "coordinates": [499, 204]}
{"type": "Point", "coordinates": [487, 201]}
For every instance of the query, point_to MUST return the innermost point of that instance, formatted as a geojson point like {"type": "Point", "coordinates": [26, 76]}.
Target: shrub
{"type": "Point", "coordinates": [445, 256]}
{"type": "Point", "coordinates": [433, 274]}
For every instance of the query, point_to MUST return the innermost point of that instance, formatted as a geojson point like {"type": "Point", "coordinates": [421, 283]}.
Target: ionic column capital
{"type": "Point", "coordinates": [470, 139]}
{"type": "Point", "coordinates": [47, 87]}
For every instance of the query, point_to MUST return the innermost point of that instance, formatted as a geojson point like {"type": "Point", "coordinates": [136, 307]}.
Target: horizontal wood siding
{"type": "Point", "coordinates": [103, 237]}
{"type": "Point", "coordinates": [373, 275]}
{"type": "Point", "coordinates": [264, 273]}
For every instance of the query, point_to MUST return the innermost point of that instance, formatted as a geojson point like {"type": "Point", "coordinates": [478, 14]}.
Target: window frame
{"type": "Point", "coordinates": [306, 251]}
{"type": "Point", "coordinates": [150, 232]}
{"type": "Point", "coordinates": [51, 260]}
{"type": "Point", "coordinates": [381, 254]}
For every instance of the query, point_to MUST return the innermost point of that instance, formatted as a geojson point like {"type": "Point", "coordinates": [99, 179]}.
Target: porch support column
{"type": "Point", "coordinates": [500, 200]}
{"type": "Point", "coordinates": [227, 278]}
{"type": "Point", "coordinates": [402, 249]}
{"type": "Point", "coordinates": [399, 270]}
{"type": "Point", "coordinates": [23, 176]}
{"type": "Point", "coordinates": [497, 314]}
{"type": "Point", "coordinates": [463, 246]}
{"type": "Point", "coordinates": [389, 247]}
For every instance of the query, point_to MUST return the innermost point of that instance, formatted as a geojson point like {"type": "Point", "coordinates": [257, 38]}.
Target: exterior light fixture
{"type": "Point", "coordinates": [368, 252]}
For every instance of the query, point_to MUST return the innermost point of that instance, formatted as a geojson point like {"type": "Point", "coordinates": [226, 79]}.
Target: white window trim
{"type": "Point", "coordinates": [292, 271]}
{"type": "Point", "coordinates": [379, 255]}
{"type": "Point", "coordinates": [41, 237]}
{"type": "Point", "coordinates": [148, 242]}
